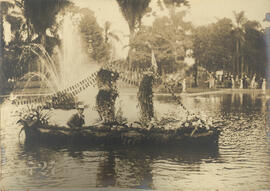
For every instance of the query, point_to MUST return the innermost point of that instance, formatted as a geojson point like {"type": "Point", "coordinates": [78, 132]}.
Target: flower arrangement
{"type": "Point", "coordinates": [119, 116]}
{"type": "Point", "coordinates": [196, 122]}
{"type": "Point", "coordinates": [106, 77]}
{"type": "Point", "coordinates": [34, 114]}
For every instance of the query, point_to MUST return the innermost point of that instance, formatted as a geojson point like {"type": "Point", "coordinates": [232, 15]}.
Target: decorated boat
{"type": "Point", "coordinates": [119, 134]}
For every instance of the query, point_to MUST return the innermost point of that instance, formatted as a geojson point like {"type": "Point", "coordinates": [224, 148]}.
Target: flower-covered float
{"type": "Point", "coordinates": [168, 130]}
{"type": "Point", "coordinates": [187, 128]}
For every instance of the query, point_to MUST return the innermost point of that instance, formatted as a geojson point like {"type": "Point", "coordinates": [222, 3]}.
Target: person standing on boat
{"type": "Point", "coordinates": [77, 120]}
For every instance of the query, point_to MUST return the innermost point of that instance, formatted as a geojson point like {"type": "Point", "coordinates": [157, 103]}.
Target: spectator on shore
{"type": "Point", "coordinates": [233, 82]}
{"type": "Point", "coordinates": [237, 82]}
{"type": "Point", "coordinates": [247, 83]}
{"type": "Point", "coordinates": [264, 85]}
{"type": "Point", "coordinates": [184, 85]}
{"type": "Point", "coordinates": [211, 81]}
{"type": "Point", "coordinates": [241, 84]}
{"type": "Point", "coordinates": [227, 81]}
{"type": "Point", "coordinates": [259, 84]}
{"type": "Point", "coordinates": [253, 82]}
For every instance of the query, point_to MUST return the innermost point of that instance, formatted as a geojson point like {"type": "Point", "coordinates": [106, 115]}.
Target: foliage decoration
{"type": "Point", "coordinates": [37, 114]}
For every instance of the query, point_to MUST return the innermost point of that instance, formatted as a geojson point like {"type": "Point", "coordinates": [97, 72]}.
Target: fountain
{"type": "Point", "coordinates": [41, 67]}
{"type": "Point", "coordinates": [74, 63]}
{"type": "Point", "coordinates": [53, 75]}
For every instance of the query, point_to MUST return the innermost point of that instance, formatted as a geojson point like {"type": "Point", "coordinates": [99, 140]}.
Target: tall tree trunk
{"type": "Point", "coordinates": [247, 68]}
{"type": "Point", "coordinates": [28, 30]}
{"type": "Point", "coordinates": [2, 44]}
{"type": "Point", "coordinates": [242, 65]}
{"type": "Point", "coordinates": [233, 65]}
{"type": "Point", "coordinates": [196, 76]}
{"type": "Point", "coordinates": [163, 74]}
{"type": "Point", "coordinates": [237, 57]}
{"type": "Point", "coordinates": [28, 40]}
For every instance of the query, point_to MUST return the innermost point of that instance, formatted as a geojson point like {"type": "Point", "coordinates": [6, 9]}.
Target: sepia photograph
{"type": "Point", "coordinates": [134, 95]}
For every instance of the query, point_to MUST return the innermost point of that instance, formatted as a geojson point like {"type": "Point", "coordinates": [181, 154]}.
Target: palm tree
{"type": "Point", "coordinates": [253, 47]}
{"type": "Point", "coordinates": [239, 34]}
{"type": "Point", "coordinates": [171, 5]}
{"type": "Point", "coordinates": [4, 7]}
{"type": "Point", "coordinates": [133, 11]}
{"type": "Point", "coordinates": [42, 15]}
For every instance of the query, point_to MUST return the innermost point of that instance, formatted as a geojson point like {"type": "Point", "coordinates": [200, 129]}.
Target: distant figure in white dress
{"type": "Point", "coordinates": [233, 82]}
{"type": "Point", "coordinates": [211, 81]}
{"type": "Point", "coordinates": [252, 83]}
{"type": "Point", "coordinates": [241, 84]}
{"type": "Point", "coordinates": [264, 85]}
{"type": "Point", "coordinates": [184, 85]}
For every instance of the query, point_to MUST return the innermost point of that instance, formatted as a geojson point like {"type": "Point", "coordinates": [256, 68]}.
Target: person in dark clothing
{"type": "Point", "coordinates": [77, 120]}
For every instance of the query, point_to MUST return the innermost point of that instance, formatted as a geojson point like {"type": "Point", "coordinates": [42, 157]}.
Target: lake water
{"type": "Point", "coordinates": [241, 161]}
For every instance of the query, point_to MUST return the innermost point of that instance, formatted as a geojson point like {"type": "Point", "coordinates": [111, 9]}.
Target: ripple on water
{"type": "Point", "coordinates": [240, 162]}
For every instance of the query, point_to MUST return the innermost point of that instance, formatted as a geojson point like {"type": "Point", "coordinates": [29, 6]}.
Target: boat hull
{"type": "Point", "coordinates": [119, 136]}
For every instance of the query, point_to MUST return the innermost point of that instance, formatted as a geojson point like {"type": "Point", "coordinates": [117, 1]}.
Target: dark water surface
{"type": "Point", "coordinates": [241, 162]}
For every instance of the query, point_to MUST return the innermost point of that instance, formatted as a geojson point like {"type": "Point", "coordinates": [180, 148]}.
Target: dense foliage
{"type": "Point", "coordinates": [29, 23]}
{"type": "Point", "coordinates": [133, 11]}
{"type": "Point", "coordinates": [42, 13]}
{"type": "Point", "coordinates": [237, 48]}
{"type": "Point", "coordinates": [94, 42]}
{"type": "Point", "coordinates": [170, 39]}
{"type": "Point", "coordinates": [107, 94]}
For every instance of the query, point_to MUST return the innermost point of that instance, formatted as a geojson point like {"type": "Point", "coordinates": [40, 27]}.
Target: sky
{"type": "Point", "coordinates": [207, 11]}
{"type": "Point", "coordinates": [201, 12]}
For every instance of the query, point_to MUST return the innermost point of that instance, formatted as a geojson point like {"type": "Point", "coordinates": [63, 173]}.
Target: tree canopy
{"type": "Point", "coordinates": [133, 11]}
{"type": "Point", "coordinates": [170, 39]}
{"type": "Point", "coordinates": [42, 13]}
{"type": "Point", "coordinates": [237, 48]}
{"type": "Point", "coordinates": [213, 45]}
{"type": "Point", "coordinates": [94, 42]}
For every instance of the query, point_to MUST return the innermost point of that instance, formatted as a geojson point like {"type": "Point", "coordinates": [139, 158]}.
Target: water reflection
{"type": "Point", "coordinates": [117, 167]}
{"type": "Point", "coordinates": [145, 99]}
{"type": "Point", "coordinates": [106, 175]}
{"type": "Point", "coordinates": [242, 103]}
{"type": "Point", "coordinates": [241, 161]}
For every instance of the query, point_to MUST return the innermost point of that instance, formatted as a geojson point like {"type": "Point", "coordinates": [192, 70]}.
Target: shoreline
{"type": "Point", "coordinates": [207, 91]}
{"type": "Point", "coordinates": [189, 92]}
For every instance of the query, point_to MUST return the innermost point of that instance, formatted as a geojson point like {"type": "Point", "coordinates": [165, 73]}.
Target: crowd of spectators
{"type": "Point", "coordinates": [234, 81]}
